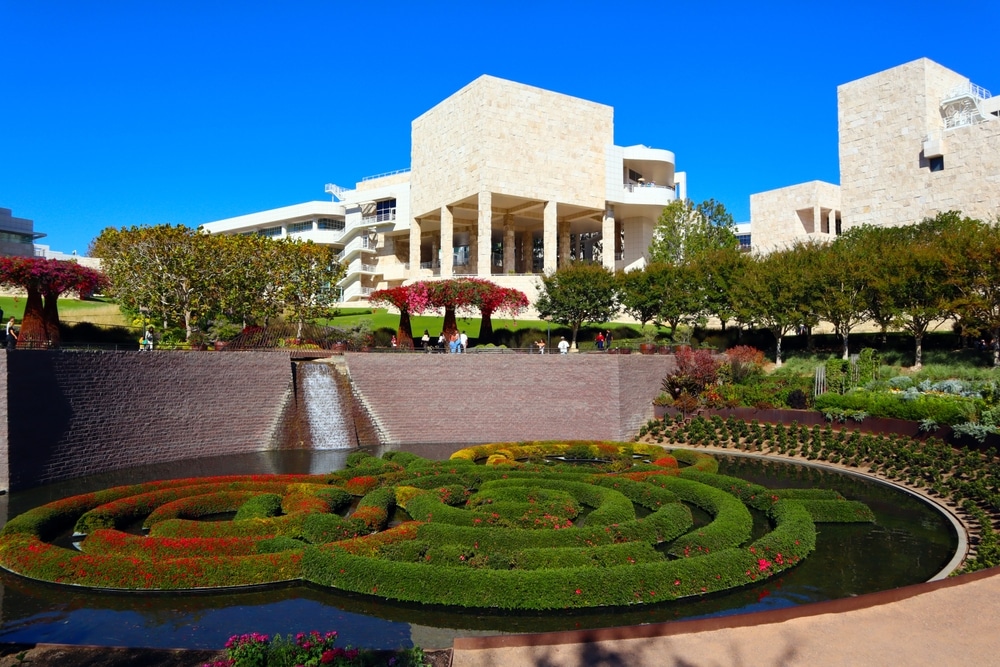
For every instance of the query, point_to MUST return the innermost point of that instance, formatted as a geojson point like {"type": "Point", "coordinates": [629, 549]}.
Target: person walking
{"type": "Point", "coordinates": [563, 345]}
{"type": "Point", "coordinates": [600, 341]}
{"type": "Point", "coordinates": [11, 335]}
{"type": "Point", "coordinates": [426, 340]}
{"type": "Point", "coordinates": [464, 339]}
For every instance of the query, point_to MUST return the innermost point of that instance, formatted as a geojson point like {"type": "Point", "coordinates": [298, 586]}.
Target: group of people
{"type": "Point", "coordinates": [563, 345]}
{"type": "Point", "coordinates": [603, 340]}
{"type": "Point", "coordinates": [457, 343]}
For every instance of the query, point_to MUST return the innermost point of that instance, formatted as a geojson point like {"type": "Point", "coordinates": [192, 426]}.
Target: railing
{"type": "Point", "coordinates": [383, 175]}
{"type": "Point", "coordinates": [969, 88]}
{"type": "Point", "coordinates": [382, 216]}
{"type": "Point", "coordinates": [369, 268]}
{"type": "Point", "coordinates": [632, 187]}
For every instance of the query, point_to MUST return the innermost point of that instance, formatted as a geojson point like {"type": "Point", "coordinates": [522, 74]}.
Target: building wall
{"type": "Point", "coordinates": [784, 216]}
{"type": "Point", "coordinates": [508, 138]}
{"type": "Point", "coordinates": [69, 414]}
{"type": "Point", "coordinates": [883, 120]}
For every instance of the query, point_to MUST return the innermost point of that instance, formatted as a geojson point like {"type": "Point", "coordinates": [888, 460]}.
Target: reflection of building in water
{"type": "Point", "coordinates": [915, 140]}
{"type": "Point", "coordinates": [506, 181]}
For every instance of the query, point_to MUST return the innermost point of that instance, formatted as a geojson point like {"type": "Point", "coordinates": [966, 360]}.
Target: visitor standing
{"type": "Point", "coordinates": [599, 340]}
{"type": "Point", "coordinates": [465, 341]}
{"type": "Point", "coordinates": [455, 344]}
{"type": "Point", "coordinates": [393, 342]}
{"type": "Point", "coordinates": [11, 335]}
{"type": "Point", "coordinates": [563, 345]}
{"type": "Point", "coordinates": [426, 340]}
{"type": "Point", "coordinates": [147, 339]}
{"type": "Point", "coordinates": [540, 344]}
{"type": "Point", "coordinates": [607, 339]}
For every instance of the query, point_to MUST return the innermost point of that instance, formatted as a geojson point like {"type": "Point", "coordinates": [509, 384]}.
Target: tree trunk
{"type": "Point", "coordinates": [918, 354]}
{"type": "Point", "coordinates": [486, 327]}
{"type": "Point", "coordinates": [404, 334]}
{"type": "Point", "coordinates": [777, 347]}
{"type": "Point", "coordinates": [50, 316]}
{"type": "Point", "coordinates": [32, 333]}
{"type": "Point", "coordinates": [450, 323]}
{"type": "Point", "coordinates": [846, 354]}
{"type": "Point", "coordinates": [996, 347]}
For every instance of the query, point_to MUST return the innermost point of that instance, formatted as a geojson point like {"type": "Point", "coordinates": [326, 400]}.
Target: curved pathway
{"type": "Point", "coordinates": [949, 622]}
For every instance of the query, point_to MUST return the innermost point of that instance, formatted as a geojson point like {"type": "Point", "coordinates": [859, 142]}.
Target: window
{"type": "Point", "coordinates": [270, 231]}
{"type": "Point", "coordinates": [330, 223]}
{"type": "Point", "coordinates": [744, 240]}
{"type": "Point", "coordinates": [385, 210]}
{"type": "Point", "coordinates": [634, 176]}
{"type": "Point", "coordinates": [300, 227]}
{"type": "Point", "coordinates": [936, 163]}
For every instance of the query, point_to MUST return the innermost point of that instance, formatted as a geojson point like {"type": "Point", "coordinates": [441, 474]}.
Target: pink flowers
{"type": "Point", "coordinates": [763, 563]}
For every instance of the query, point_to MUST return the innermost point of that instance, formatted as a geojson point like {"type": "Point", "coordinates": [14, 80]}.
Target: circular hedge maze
{"type": "Point", "coordinates": [540, 526]}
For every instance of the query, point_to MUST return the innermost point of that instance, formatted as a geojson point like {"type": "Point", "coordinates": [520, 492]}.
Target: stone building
{"type": "Point", "coordinates": [507, 181]}
{"type": "Point", "coordinates": [915, 140]}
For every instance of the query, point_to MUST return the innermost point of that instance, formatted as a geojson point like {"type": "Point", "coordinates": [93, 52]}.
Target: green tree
{"type": "Point", "coordinates": [714, 273]}
{"type": "Point", "coordinates": [837, 274]}
{"type": "Point", "coordinates": [680, 302]}
{"type": "Point", "coordinates": [971, 251]}
{"type": "Point", "coordinates": [770, 293]}
{"type": "Point", "coordinates": [308, 273]}
{"type": "Point", "coordinates": [641, 292]}
{"type": "Point", "coordinates": [576, 294]}
{"type": "Point", "coordinates": [685, 230]}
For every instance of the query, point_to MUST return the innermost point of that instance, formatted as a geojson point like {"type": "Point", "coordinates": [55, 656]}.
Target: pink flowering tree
{"type": "Point", "coordinates": [490, 298]}
{"type": "Point", "coordinates": [407, 299]}
{"type": "Point", "coordinates": [45, 280]}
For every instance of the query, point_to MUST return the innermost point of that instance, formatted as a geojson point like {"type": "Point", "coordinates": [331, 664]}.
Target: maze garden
{"type": "Point", "coordinates": [544, 525]}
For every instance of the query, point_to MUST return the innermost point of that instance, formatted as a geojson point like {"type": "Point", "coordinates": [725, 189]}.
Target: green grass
{"type": "Point", "coordinates": [71, 311]}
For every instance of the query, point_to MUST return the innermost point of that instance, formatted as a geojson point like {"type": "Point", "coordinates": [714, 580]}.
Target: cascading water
{"type": "Point", "coordinates": [331, 425]}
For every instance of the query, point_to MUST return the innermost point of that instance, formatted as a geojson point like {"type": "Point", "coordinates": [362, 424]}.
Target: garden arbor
{"type": "Point", "coordinates": [45, 280]}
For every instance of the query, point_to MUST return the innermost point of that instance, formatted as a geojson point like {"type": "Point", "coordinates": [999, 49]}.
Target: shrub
{"type": "Point", "coordinates": [745, 363]}
{"type": "Point", "coordinates": [696, 369]}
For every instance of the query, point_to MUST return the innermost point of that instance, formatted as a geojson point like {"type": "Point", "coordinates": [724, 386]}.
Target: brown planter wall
{"type": "Point", "coordinates": [69, 414]}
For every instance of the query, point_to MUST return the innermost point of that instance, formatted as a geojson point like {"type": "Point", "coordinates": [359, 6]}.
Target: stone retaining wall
{"type": "Point", "coordinates": [69, 414]}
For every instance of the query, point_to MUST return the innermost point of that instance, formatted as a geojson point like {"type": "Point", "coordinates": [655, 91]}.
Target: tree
{"type": "Point", "coordinates": [971, 252]}
{"type": "Point", "coordinates": [837, 274]}
{"type": "Point", "coordinates": [641, 292]}
{"type": "Point", "coordinates": [714, 274]}
{"type": "Point", "coordinates": [45, 280]}
{"type": "Point", "coordinates": [578, 293]}
{"type": "Point", "coordinates": [770, 293]}
{"type": "Point", "coordinates": [407, 299]}
{"type": "Point", "coordinates": [308, 273]}
{"type": "Point", "coordinates": [679, 302]}
{"type": "Point", "coordinates": [491, 299]}
{"type": "Point", "coordinates": [452, 295]}
{"type": "Point", "coordinates": [685, 231]}
{"type": "Point", "coordinates": [166, 271]}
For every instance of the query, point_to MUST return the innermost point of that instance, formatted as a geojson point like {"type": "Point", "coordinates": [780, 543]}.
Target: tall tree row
{"type": "Point", "coordinates": [184, 278]}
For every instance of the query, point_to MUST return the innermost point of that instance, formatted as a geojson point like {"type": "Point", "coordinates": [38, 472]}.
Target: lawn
{"type": "Point", "coordinates": [71, 311]}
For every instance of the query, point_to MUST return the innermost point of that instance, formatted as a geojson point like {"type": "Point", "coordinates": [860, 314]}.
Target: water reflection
{"type": "Point", "coordinates": [908, 543]}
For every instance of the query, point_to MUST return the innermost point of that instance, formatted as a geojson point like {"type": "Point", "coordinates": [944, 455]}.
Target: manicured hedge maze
{"type": "Point", "coordinates": [540, 526]}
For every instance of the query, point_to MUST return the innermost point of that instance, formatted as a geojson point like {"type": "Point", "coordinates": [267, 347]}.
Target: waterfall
{"type": "Point", "coordinates": [330, 423]}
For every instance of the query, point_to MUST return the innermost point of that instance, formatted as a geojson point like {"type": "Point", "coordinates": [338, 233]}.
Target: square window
{"type": "Point", "coordinates": [936, 163]}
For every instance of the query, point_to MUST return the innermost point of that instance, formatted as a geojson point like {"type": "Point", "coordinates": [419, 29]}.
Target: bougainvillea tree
{"type": "Point", "coordinates": [45, 280]}
{"type": "Point", "coordinates": [407, 299]}
{"type": "Point", "coordinates": [451, 295]}
{"type": "Point", "coordinates": [491, 298]}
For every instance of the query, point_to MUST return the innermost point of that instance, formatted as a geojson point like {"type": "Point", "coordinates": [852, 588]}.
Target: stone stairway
{"type": "Point", "coordinates": [490, 397]}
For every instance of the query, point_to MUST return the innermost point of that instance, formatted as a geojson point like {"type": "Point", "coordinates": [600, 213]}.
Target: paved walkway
{"type": "Point", "coordinates": [950, 622]}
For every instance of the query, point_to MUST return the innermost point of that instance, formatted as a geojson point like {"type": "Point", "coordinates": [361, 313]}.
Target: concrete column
{"type": "Point", "coordinates": [447, 242]}
{"type": "Point", "coordinates": [549, 238]}
{"type": "Point", "coordinates": [484, 265]}
{"type": "Point", "coordinates": [473, 251]}
{"type": "Point", "coordinates": [817, 219]}
{"type": "Point", "coordinates": [527, 252]}
{"type": "Point", "coordinates": [578, 247]}
{"type": "Point", "coordinates": [564, 256]}
{"type": "Point", "coordinates": [608, 239]}
{"type": "Point", "coordinates": [831, 222]}
{"type": "Point", "coordinates": [414, 247]}
{"type": "Point", "coordinates": [508, 243]}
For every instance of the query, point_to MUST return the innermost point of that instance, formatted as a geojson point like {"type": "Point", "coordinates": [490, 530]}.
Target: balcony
{"type": "Point", "coordinates": [357, 245]}
{"type": "Point", "coordinates": [387, 215]}
{"type": "Point", "coordinates": [647, 194]}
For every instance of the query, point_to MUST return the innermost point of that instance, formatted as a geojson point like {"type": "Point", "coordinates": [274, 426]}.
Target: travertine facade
{"type": "Point", "coordinates": [915, 140]}
{"type": "Point", "coordinates": [507, 181]}
{"type": "Point", "coordinates": [805, 212]}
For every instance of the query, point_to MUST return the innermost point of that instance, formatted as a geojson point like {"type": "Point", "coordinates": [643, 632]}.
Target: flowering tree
{"type": "Point", "coordinates": [452, 295]}
{"type": "Point", "coordinates": [45, 280]}
{"type": "Point", "coordinates": [491, 298]}
{"type": "Point", "coordinates": [407, 299]}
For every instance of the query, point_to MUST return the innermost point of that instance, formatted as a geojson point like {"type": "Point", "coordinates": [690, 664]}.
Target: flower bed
{"type": "Point", "coordinates": [524, 532]}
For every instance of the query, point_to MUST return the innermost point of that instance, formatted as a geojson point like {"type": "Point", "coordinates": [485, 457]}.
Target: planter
{"type": "Point", "coordinates": [647, 348]}
{"type": "Point", "coordinates": [666, 349]}
{"type": "Point", "coordinates": [221, 344]}
{"type": "Point", "coordinates": [339, 348]}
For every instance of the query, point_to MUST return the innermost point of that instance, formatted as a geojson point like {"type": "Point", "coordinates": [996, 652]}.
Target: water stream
{"type": "Point", "coordinates": [330, 421]}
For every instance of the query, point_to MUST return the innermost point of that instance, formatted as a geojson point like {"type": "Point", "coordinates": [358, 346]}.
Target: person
{"type": "Point", "coordinates": [443, 342]}
{"type": "Point", "coordinates": [11, 335]}
{"type": "Point", "coordinates": [599, 340]}
{"type": "Point", "coordinates": [393, 342]}
{"type": "Point", "coordinates": [465, 341]}
{"type": "Point", "coordinates": [540, 344]}
{"type": "Point", "coordinates": [455, 345]}
{"type": "Point", "coordinates": [607, 339]}
{"type": "Point", "coordinates": [426, 340]}
{"type": "Point", "coordinates": [147, 339]}
{"type": "Point", "coordinates": [563, 345]}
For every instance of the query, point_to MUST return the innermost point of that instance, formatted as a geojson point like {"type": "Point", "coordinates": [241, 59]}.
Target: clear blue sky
{"type": "Point", "coordinates": [118, 113]}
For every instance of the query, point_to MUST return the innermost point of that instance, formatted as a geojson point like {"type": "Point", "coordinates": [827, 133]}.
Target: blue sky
{"type": "Point", "coordinates": [119, 113]}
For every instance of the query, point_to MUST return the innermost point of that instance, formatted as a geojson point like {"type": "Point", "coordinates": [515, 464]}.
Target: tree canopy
{"type": "Point", "coordinates": [578, 293]}
{"type": "Point", "coordinates": [685, 230]}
